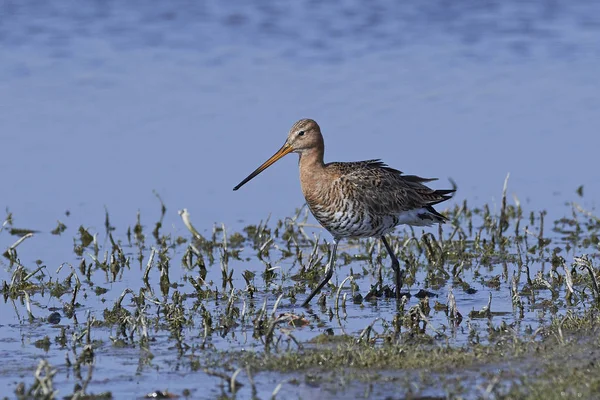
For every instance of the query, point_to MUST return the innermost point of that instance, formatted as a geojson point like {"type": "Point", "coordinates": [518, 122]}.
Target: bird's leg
{"type": "Point", "coordinates": [395, 266]}
{"type": "Point", "coordinates": [328, 273]}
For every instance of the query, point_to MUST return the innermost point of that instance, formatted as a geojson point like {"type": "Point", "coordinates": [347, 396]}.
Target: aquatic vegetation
{"type": "Point", "coordinates": [484, 297]}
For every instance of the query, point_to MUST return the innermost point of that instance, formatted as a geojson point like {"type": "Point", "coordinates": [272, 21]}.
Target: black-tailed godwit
{"type": "Point", "coordinates": [356, 199]}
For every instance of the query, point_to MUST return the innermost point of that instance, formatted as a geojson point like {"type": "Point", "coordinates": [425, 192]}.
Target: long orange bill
{"type": "Point", "coordinates": [285, 149]}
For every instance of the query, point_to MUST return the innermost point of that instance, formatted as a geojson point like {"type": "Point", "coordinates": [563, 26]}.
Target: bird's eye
{"type": "Point", "coordinates": [301, 133]}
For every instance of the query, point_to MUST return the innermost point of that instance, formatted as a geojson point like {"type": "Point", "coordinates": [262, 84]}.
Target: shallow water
{"type": "Point", "coordinates": [105, 102]}
{"type": "Point", "coordinates": [124, 366]}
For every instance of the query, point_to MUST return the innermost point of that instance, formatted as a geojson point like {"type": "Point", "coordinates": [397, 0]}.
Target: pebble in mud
{"type": "Point", "coordinates": [54, 318]}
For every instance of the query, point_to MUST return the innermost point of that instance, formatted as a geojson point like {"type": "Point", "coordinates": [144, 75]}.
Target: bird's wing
{"type": "Point", "coordinates": [384, 190]}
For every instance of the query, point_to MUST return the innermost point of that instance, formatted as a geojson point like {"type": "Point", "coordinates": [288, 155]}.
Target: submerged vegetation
{"type": "Point", "coordinates": [495, 305]}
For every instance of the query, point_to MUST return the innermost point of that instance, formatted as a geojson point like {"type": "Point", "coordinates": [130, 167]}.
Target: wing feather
{"type": "Point", "coordinates": [385, 190]}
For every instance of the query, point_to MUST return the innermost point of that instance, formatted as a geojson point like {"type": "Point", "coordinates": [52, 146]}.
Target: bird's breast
{"type": "Point", "coordinates": [351, 220]}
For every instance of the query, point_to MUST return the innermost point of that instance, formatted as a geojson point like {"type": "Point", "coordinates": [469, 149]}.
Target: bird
{"type": "Point", "coordinates": [356, 199]}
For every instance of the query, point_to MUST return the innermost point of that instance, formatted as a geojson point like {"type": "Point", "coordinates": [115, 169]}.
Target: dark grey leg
{"type": "Point", "coordinates": [395, 266]}
{"type": "Point", "coordinates": [328, 273]}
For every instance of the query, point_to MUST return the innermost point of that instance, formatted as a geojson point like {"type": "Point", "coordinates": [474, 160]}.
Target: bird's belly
{"type": "Point", "coordinates": [354, 224]}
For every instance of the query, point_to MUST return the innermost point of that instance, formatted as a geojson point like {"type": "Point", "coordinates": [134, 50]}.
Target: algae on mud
{"type": "Point", "coordinates": [495, 306]}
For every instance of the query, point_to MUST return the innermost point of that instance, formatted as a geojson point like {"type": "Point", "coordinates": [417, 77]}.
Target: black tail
{"type": "Point", "coordinates": [442, 195]}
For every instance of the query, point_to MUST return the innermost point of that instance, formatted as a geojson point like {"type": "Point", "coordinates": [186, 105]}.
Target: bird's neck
{"type": "Point", "coordinates": [312, 173]}
{"type": "Point", "coordinates": [311, 160]}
